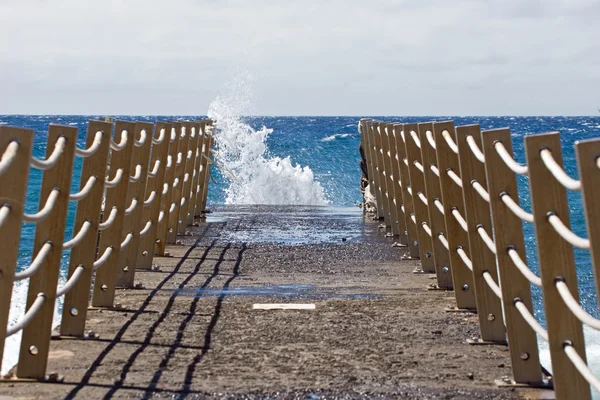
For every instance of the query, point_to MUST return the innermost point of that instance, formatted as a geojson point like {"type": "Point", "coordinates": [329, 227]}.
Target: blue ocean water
{"type": "Point", "coordinates": [329, 146]}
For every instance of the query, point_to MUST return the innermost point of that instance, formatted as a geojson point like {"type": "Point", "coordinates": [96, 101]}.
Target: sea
{"type": "Point", "coordinates": [304, 160]}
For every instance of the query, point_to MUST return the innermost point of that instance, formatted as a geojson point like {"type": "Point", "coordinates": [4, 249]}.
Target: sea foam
{"type": "Point", "coordinates": [242, 156]}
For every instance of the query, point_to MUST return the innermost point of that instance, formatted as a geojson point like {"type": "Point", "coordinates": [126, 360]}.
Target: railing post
{"type": "Point", "coordinates": [155, 183]}
{"type": "Point", "coordinates": [209, 155]}
{"type": "Point", "coordinates": [406, 206]}
{"type": "Point", "coordinates": [389, 175]}
{"type": "Point", "coordinates": [15, 145]}
{"type": "Point", "coordinates": [588, 154]}
{"type": "Point", "coordinates": [477, 215]}
{"type": "Point", "coordinates": [420, 203]}
{"type": "Point", "coordinates": [88, 210]}
{"type": "Point", "coordinates": [433, 192]}
{"type": "Point", "coordinates": [381, 206]}
{"type": "Point", "coordinates": [197, 126]}
{"type": "Point", "coordinates": [395, 172]}
{"type": "Point", "coordinates": [179, 165]}
{"type": "Point", "coordinates": [111, 238]}
{"type": "Point", "coordinates": [167, 195]}
{"type": "Point", "coordinates": [364, 143]}
{"type": "Point", "coordinates": [190, 160]}
{"type": "Point", "coordinates": [201, 169]}
{"type": "Point", "coordinates": [383, 180]}
{"type": "Point", "coordinates": [555, 255]}
{"type": "Point", "coordinates": [452, 199]}
{"type": "Point", "coordinates": [132, 223]}
{"type": "Point", "coordinates": [35, 342]}
{"type": "Point", "coordinates": [508, 234]}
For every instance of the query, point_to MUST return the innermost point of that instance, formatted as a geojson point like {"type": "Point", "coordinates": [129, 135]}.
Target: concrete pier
{"type": "Point", "coordinates": [376, 330]}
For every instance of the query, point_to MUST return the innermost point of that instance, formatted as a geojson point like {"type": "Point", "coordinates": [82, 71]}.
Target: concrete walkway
{"type": "Point", "coordinates": [376, 331]}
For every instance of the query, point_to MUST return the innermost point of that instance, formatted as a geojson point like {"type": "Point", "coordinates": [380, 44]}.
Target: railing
{"type": "Point", "coordinates": [137, 191]}
{"type": "Point", "coordinates": [450, 194]}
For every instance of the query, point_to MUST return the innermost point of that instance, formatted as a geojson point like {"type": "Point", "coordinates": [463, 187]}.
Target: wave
{"type": "Point", "coordinates": [333, 137]}
{"type": "Point", "coordinates": [242, 156]}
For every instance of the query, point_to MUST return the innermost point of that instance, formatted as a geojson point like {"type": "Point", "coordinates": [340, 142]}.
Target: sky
{"type": "Point", "coordinates": [307, 57]}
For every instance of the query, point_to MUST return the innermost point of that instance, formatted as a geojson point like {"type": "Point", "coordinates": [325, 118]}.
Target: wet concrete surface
{"type": "Point", "coordinates": [376, 331]}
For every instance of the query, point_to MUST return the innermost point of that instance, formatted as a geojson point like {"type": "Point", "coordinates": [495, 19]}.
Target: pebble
{"type": "Point", "coordinates": [470, 376]}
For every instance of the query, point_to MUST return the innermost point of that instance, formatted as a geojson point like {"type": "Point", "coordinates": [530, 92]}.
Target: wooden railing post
{"type": "Point", "coordinates": [477, 215]}
{"type": "Point", "coordinates": [132, 223]}
{"type": "Point", "coordinates": [379, 195]}
{"type": "Point", "coordinates": [508, 234]}
{"type": "Point", "coordinates": [406, 206]}
{"type": "Point", "coordinates": [452, 199]}
{"type": "Point", "coordinates": [420, 202]}
{"type": "Point", "coordinates": [15, 146]}
{"type": "Point", "coordinates": [190, 161]}
{"type": "Point", "coordinates": [167, 195]}
{"type": "Point", "coordinates": [209, 155]}
{"type": "Point", "coordinates": [179, 165]}
{"type": "Point", "coordinates": [74, 311]}
{"type": "Point", "coordinates": [389, 176]}
{"type": "Point", "coordinates": [155, 183]}
{"type": "Point", "coordinates": [555, 255]}
{"type": "Point", "coordinates": [383, 181]}
{"type": "Point", "coordinates": [201, 168]}
{"type": "Point", "coordinates": [395, 172]}
{"type": "Point", "coordinates": [35, 342]}
{"type": "Point", "coordinates": [191, 213]}
{"type": "Point", "coordinates": [112, 238]}
{"type": "Point", "coordinates": [588, 154]}
{"type": "Point", "coordinates": [433, 192]}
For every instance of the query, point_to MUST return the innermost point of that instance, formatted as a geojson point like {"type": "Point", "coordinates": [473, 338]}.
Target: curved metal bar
{"type": "Point", "coordinates": [455, 178]}
{"type": "Point", "coordinates": [4, 213]}
{"type": "Point", "coordinates": [515, 208]}
{"type": "Point", "coordinates": [509, 160]}
{"type": "Point", "coordinates": [102, 260]}
{"type": "Point", "coordinates": [492, 284]}
{"type": "Point", "coordinates": [575, 307]}
{"type": "Point", "coordinates": [489, 242]}
{"type": "Point", "coordinates": [480, 190]}
{"type": "Point", "coordinates": [138, 174]}
{"type": "Point", "coordinates": [154, 170]}
{"type": "Point", "coordinates": [464, 257]}
{"type": "Point", "coordinates": [114, 181]}
{"type": "Point", "coordinates": [9, 156]}
{"type": "Point", "coordinates": [530, 319]}
{"type": "Point", "coordinates": [150, 198]}
{"type": "Point", "coordinates": [45, 211]}
{"type": "Point", "coordinates": [146, 229]}
{"type": "Point", "coordinates": [140, 143]}
{"type": "Point", "coordinates": [64, 289]}
{"type": "Point", "coordinates": [475, 149]}
{"type": "Point", "coordinates": [459, 218]}
{"type": "Point", "coordinates": [28, 317]}
{"type": "Point", "coordinates": [521, 266]}
{"type": "Point", "coordinates": [127, 240]}
{"type": "Point", "coordinates": [121, 145]}
{"type": "Point", "coordinates": [109, 221]}
{"type": "Point", "coordinates": [83, 231]}
{"type": "Point", "coordinates": [36, 263]}
{"type": "Point", "coordinates": [558, 172]}
{"type": "Point", "coordinates": [450, 141]}
{"type": "Point", "coordinates": [90, 151]}
{"type": "Point", "coordinates": [85, 191]}
{"type": "Point", "coordinates": [132, 206]}
{"type": "Point", "coordinates": [581, 366]}
{"type": "Point", "coordinates": [52, 160]}
{"type": "Point", "coordinates": [567, 234]}
{"type": "Point", "coordinates": [161, 137]}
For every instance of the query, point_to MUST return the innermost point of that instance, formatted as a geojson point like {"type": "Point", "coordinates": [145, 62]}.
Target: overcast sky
{"type": "Point", "coordinates": [308, 57]}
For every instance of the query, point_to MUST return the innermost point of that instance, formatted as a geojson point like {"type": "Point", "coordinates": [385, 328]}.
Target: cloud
{"type": "Point", "coordinates": [319, 57]}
